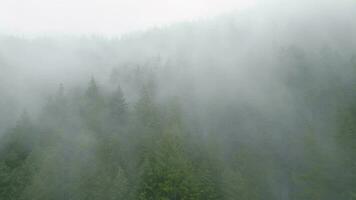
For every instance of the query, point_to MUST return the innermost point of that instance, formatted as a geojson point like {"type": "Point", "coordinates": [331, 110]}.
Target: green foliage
{"type": "Point", "coordinates": [15, 161]}
{"type": "Point", "coordinates": [93, 145]}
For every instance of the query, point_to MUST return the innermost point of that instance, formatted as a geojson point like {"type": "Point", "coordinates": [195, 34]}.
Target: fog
{"type": "Point", "coordinates": [108, 17]}
{"type": "Point", "coordinates": [178, 100]}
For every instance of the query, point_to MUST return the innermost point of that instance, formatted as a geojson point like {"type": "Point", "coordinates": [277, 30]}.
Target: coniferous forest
{"type": "Point", "coordinates": [230, 108]}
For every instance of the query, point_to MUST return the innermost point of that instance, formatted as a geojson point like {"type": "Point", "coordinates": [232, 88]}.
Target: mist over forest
{"type": "Point", "coordinates": [255, 104]}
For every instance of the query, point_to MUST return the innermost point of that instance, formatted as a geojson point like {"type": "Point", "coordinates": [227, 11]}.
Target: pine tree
{"type": "Point", "coordinates": [311, 181]}
{"type": "Point", "coordinates": [167, 173]}
{"type": "Point", "coordinates": [16, 148]}
{"type": "Point", "coordinates": [118, 113]}
{"type": "Point", "coordinates": [93, 108]}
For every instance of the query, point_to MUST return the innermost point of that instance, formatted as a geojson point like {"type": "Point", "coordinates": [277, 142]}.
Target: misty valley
{"type": "Point", "coordinates": [259, 105]}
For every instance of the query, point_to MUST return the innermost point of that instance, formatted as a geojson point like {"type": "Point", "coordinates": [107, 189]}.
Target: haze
{"type": "Point", "coordinates": [178, 100]}
{"type": "Point", "coordinates": [109, 17]}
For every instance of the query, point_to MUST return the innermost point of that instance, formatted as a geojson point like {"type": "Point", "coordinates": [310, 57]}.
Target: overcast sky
{"type": "Point", "coordinates": [111, 17]}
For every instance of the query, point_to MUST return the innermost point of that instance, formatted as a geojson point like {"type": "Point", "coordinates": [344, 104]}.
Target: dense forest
{"type": "Point", "coordinates": [229, 108]}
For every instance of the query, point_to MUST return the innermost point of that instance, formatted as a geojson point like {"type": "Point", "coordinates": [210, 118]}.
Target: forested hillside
{"type": "Point", "coordinates": [241, 107]}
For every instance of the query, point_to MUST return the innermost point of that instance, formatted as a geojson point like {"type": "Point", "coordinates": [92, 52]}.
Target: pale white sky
{"type": "Point", "coordinates": [111, 17]}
